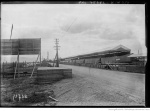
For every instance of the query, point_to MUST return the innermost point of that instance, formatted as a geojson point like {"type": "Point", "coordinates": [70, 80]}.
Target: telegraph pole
{"type": "Point", "coordinates": [57, 59]}
{"type": "Point", "coordinates": [48, 56]}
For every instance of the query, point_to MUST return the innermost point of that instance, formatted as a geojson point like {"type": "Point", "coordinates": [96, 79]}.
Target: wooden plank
{"type": "Point", "coordinates": [29, 49]}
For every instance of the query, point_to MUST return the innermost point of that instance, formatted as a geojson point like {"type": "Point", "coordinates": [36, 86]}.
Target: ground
{"type": "Point", "coordinates": [80, 90]}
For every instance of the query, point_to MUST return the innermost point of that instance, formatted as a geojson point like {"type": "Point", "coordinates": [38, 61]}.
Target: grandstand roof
{"type": "Point", "coordinates": [104, 51]}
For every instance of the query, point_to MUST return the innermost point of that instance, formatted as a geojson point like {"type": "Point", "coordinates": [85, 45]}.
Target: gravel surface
{"type": "Point", "coordinates": [100, 88]}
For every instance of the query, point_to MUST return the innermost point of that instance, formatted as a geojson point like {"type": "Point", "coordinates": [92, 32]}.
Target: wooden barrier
{"type": "Point", "coordinates": [117, 67]}
{"type": "Point", "coordinates": [8, 69]}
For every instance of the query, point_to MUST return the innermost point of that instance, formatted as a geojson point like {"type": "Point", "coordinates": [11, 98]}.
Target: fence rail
{"type": "Point", "coordinates": [126, 67]}
{"type": "Point", "coordinates": [25, 69]}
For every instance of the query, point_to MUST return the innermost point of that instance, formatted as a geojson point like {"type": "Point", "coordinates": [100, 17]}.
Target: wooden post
{"type": "Point", "coordinates": [25, 66]}
{"type": "Point", "coordinates": [18, 59]}
{"type": "Point", "coordinates": [16, 66]}
{"type": "Point", "coordinates": [34, 66]}
{"type": "Point", "coordinates": [15, 70]}
{"type": "Point", "coordinates": [13, 67]}
{"type": "Point", "coordinates": [40, 57]}
{"type": "Point", "coordinates": [40, 53]}
{"type": "Point", "coordinates": [3, 69]}
{"type": "Point", "coordinates": [6, 69]}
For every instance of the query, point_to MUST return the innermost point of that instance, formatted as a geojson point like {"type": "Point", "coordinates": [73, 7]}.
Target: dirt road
{"type": "Point", "coordinates": [90, 86]}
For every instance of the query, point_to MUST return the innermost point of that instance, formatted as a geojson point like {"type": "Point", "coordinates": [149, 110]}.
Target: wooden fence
{"type": "Point", "coordinates": [24, 69]}
{"type": "Point", "coordinates": [116, 67]}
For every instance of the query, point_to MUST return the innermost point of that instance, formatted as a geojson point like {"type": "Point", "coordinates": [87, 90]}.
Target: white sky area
{"type": "Point", "coordinates": [80, 28]}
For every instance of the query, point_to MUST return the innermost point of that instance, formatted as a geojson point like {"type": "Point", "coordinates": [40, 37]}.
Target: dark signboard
{"type": "Point", "coordinates": [21, 46]}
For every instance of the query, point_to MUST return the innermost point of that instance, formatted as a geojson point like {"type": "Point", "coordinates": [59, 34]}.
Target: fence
{"type": "Point", "coordinates": [25, 69]}
{"type": "Point", "coordinates": [116, 67]}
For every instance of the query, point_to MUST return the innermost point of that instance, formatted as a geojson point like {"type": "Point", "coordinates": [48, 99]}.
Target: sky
{"type": "Point", "coordinates": [80, 28]}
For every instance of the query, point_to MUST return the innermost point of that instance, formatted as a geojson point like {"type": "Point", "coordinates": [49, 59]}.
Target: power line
{"type": "Point", "coordinates": [70, 26]}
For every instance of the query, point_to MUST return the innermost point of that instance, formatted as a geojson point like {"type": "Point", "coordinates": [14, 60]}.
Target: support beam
{"type": "Point", "coordinates": [34, 66]}
{"type": "Point", "coordinates": [25, 66]}
{"type": "Point", "coordinates": [13, 66]}
{"type": "Point", "coordinates": [16, 65]}
{"type": "Point", "coordinates": [40, 54]}
{"type": "Point", "coordinates": [3, 69]}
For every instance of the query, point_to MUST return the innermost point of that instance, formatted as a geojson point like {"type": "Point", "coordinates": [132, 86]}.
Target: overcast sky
{"type": "Point", "coordinates": [80, 28]}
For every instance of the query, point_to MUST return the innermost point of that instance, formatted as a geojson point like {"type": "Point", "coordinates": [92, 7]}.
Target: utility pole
{"type": "Point", "coordinates": [11, 31]}
{"type": "Point", "coordinates": [57, 59]}
{"type": "Point", "coordinates": [48, 56]}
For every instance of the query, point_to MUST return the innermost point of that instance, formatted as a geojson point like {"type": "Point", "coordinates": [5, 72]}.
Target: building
{"type": "Point", "coordinates": [118, 54]}
{"type": "Point", "coordinates": [139, 59]}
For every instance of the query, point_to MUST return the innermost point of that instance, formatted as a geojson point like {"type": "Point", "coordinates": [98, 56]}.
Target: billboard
{"type": "Point", "coordinates": [22, 46]}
